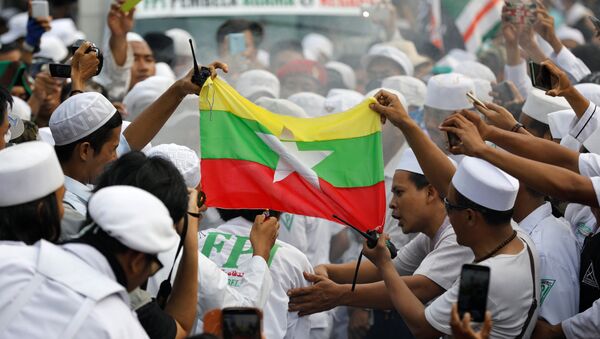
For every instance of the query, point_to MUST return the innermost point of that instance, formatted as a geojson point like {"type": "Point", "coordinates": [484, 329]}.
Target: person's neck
{"type": "Point", "coordinates": [526, 205]}
{"type": "Point", "coordinates": [75, 172]}
{"type": "Point", "coordinates": [435, 221]}
{"type": "Point", "coordinates": [489, 238]}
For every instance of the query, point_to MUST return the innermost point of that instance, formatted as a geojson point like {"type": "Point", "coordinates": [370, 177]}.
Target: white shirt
{"type": "Point", "coordinates": [439, 259]}
{"type": "Point", "coordinates": [115, 79]}
{"type": "Point", "coordinates": [77, 195]}
{"type": "Point", "coordinates": [589, 165]}
{"type": "Point", "coordinates": [582, 220]}
{"type": "Point", "coordinates": [229, 247]}
{"type": "Point", "coordinates": [53, 305]}
{"type": "Point", "coordinates": [571, 64]}
{"type": "Point", "coordinates": [582, 128]}
{"type": "Point", "coordinates": [518, 75]}
{"type": "Point", "coordinates": [292, 230]}
{"type": "Point", "coordinates": [509, 297]}
{"type": "Point", "coordinates": [585, 325]}
{"type": "Point", "coordinates": [559, 263]}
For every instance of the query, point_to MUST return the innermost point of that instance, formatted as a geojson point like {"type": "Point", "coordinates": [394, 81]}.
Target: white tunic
{"type": "Point", "coordinates": [229, 247]}
{"type": "Point", "coordinates": [559, 263]}
{"type": "Point", "coordinates": [53, 305]}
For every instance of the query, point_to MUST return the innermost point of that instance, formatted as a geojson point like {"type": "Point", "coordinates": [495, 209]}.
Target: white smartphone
{"type": "Point", "coordinates": [475, 100]}
{"type": "Point", "coordinates": [39, 8]}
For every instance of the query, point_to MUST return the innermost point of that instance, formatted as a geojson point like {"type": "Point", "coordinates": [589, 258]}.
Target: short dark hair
{"type": "Point", "coordinates": [232, 26]}
{"type": "Point", "coordinates": [248, 214]}
{"type": "Point", "coordinates": [419, 180]}
{"type": "Point", "coordinates": [155, 175]}
{"type": "Point", "coordinates": [31, 221]}
{"type": "Point", "coordinates": [97, 139]}
{"type": "Point", "coordinates": [286, 45]}
{"type": "Point", "coordinates": [490, 216]}
{"type": "Point", "coordinates": [6, 101]}
{"type": "Point", "coordinates": [538, 128]}
{"type": "Point", "coordinates": [588, 53]}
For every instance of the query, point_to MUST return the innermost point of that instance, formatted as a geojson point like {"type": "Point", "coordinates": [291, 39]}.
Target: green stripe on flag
{"type": "Point", "coordinates": [355, 162]}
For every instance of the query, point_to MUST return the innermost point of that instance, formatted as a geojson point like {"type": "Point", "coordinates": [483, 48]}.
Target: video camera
{"type": "Point", "coordinates": [64, 70]}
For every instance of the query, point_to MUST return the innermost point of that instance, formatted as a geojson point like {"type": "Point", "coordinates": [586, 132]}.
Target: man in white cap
{"type": "Point", "coordinates": [184, 158]}
{"type": "Point", "coordinates": [384, 61]}
{"type": "Point", "coordinates": [83, 284]}
{"type": "Point", "coordinates": [143, 94]}
{"type": "Point", "coordinates": [534, 115]}
{"type": "Point", "coordinates": [183, 52]}
{"type": "Point", "coordinates": [340, 75]}
{"type": "Point", "coordinates": [311, 103]}
{"type": "Point", "coordinates": [479, 200]}
{"type": "Point", "coordinates": [317, 47]}
{"type": "Point", "coordinates": [257, 83]}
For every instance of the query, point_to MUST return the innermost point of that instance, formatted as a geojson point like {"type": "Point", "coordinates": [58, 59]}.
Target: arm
{"type": "Point", "coordinates": [83, 67]}
{"type": "Point", "coordinates": [515, 69]}
{"type": "Point", "coordinates": [119, 24]}
{"type": "Point", "coordinates": [344, 273]}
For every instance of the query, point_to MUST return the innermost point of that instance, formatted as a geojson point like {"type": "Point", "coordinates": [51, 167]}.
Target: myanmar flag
{"type": "Point", "coordinates": [320, 167]}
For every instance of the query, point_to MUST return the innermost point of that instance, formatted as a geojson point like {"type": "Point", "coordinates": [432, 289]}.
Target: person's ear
{"type": "Point", "coordinates": [471, 217]}
{"type": "Point", "coordinates": [85, 151]}
{"type": "Point", "coordinates": [138, 263]}
{"type": "Point", "coordinates": [432, 194]}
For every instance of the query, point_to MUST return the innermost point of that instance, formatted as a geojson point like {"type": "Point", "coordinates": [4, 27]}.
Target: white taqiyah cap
{"type": "Point", "coordinates": [17, 127]}
{"type": "Point", "coordinates": [538, 105]}
{"type": "Point", "coordinates": [65, 30]}
{"type": "Point", "coordinates": [455, 57]}
{"type": "Point", "coordinates": [28, 171]}
{"type": "Point", "coordinates": [590, 92]}
{"type": "Point", "coordinates": [340, 100]}
{"type": "Point", "coordinates": [475, 70]}
{"type": "Point", "coordinates": [345, 71]}
{"type": "Point", "coordinates": [408, 162]}
{"type": "Point", "coordinates": [51, 47]}
{"type": "Point", "coordinates": [145, 93]}
{"type": "Point", "coordinates": [164, 70]}
{"type": "Point", "coordinates": [17, 28]}
{"type": "Point", "coordinates": [559, 122]}
{"type": "Point", "coordinates": [134, 217]}
{"type": "Point", "coordinates": [312, 103]}
{"type": "Point", "coordinates": [258, 83]}
{"type": "Point", "coordinates": [413, 89]}
{"type": "Point", "coordinates": [483, 89]}
{"type": "Point", "coordinates": [79, 116]}
{"type": "Point", "coordinates": [485, 184]}
{"type": "Point", "coordinates": [45, 135]}
{"type": "Point", "coordinates": [408, 47]}
{"type": "Point", "coordinates": [449, 92]}
{"type": "Point", "coordinates": [181, 41]}
{"type": "Point", "coordinates": [20, 109]}
{"type": "Point", "coordinates": [592, 143]}
{"type": "Point", "coordinates": [392, 53]}
{"type": "Point", "coordinates": [565, 32]}
{"type": "Point", "coordinates": [316, 45]}
{"type": "Point", "coordinates": [186, 161]}
{"type": "Point", "coordinates": [281, 106]}
{"type": "Point", "coordinates": [391, 90]}
{"type": "Point", "coordinates": [134, 37]}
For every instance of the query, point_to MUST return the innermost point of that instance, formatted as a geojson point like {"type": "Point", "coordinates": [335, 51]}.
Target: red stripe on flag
{"type": "Point", "coordinates": [471, 29]}
{"type": "Point", "coordinates": [230, 183]}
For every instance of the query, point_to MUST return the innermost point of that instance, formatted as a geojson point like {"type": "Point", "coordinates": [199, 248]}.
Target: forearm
{"type": "Point", "coordinates": [535, 53]}
{"type": "Point", "coordinates": [373, 295]}
{"type": "Point", "coordinates": [513, 55]}
{"type": "Point", "coordinates": [118, 48]}
{"type": "Point", "coordinates": [577, 101]}
{"type": "Point", "coordinates": [534, 148]}
{"type": "Point", "coordinates": [344, 273]}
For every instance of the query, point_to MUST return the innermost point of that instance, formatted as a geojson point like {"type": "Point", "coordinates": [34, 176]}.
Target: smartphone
{"type": "Point", "coordinates": [241, 323]}
{"type": "Point", "coordinates": [540, 76]}
{"type": "Point", "coordinates": [60, 70]}
{"type": "Point", "coordinates": [39, 8]}
{"type": "Point", "coordinates": [473, 291]}
{"type": "Point", "coordinates": [596, 23]}
{"type": "Point", "coordinates": [475, 100]}
{"type": "Point", "coordinates": [237, 43]}
{"type": "Point", "coordinates": [504, 91]}
{"type": "Point", "coordinates": [453, 139]}
{"type": "Point", "coordinates": [521, 12]}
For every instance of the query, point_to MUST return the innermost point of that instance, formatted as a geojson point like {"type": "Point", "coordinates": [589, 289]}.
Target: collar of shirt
{"type": "Point", "coordinates": [83, 192]}
{"type": "Point", "coordinates": [237, 225]}
{"type": "Point", "coordinates": [534, 218]}
{"type": "Point", "coordinates": [438, 235]}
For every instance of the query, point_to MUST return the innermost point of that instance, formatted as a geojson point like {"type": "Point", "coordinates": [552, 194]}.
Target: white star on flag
{"type": "Point", "coordinates": [291, 159]}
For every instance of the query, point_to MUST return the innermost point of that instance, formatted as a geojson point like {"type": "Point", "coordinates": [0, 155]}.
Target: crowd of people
{"type": "Point", "coordinates": [105, 231]}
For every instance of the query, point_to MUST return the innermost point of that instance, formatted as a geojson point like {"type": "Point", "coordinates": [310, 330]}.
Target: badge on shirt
{"type": "Point", "coordinates": [287, 220]}
{"type": "Point", "coordinates": [589, 278]}
{"type": "Point", "coordinates": [547, 285]}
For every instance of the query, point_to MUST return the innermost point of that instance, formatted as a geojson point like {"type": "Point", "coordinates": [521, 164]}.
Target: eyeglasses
{"type": "Point", "coordinates": [451, 207]}
{"type": "Point", "coordinates": [155, 264]}
{"type": "Point", "coordinates": [201, 199]}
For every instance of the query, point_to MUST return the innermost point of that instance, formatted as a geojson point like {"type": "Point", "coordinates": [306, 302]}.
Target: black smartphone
{"type": "Point", "coordinates": [473, 291]}
{"type": "Point", "coordinates": [504, 91]}
{"type": "Point", "coordinates": [60, 70]}
{"type": "Point", "coordinates": [453, 139]}
{"type": "Point", "coordinates": [241, 323]}
{"type": "Point", "coordinates": [540, 76]}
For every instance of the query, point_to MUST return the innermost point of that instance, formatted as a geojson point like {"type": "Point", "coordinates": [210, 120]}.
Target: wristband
{"type": "Point", "coordinates": [516, 127]}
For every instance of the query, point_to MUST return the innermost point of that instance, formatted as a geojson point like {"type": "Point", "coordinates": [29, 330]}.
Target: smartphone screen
{"type": "Point", "coordinates": [241, 323]}
{"type": "Point", "coordinates": [540, 76]}
{"type": "Point", "coordinates": [39, 8]}
{"type": "Point", "coordinates": [453, 139]}
{"type": "Point", "coordinates": [237, 43]}
{"type": "Point", "coordinates": [473, 291]}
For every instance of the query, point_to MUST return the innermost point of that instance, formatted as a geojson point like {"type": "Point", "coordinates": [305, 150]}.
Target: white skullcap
{"type": "Point", "coordinates": [79, 116]}
{"type": "Point", "coordinates": [455, 57]}
{"type": "Point", "coordinates": [134, 37]}
{"type": "Point", "coordinates": [485, 184]}
{"type": "Point", "coordinates": [392, 53]}
{"type": "Point", "coordinates": [449, 92]}
{"type": "Point", "coordinates": [52, 48]}
{"type": "Point", "coordinates": [165, 71]}
{"type": "Point", "coordinates": [181, 41]}
{"type": "Point", "coordinates": [475, 70]}
{"type": "Point", "coordinates": [65, 30]}
{"type": "Point", "coordinates": [45, 135]}
{"type": "Point", "coordinates": [565, 32]}
{"type": "Point", "coordinates": [263, 57]}
{"type": "Point", "coordinates": [408, 47]}
{"type": "Point", "coordinates": [559, 123]}
{"type": "Point", "coordinates": [413, 89]}
{"type": "Point", "coordinates": [312, 103]}
{"type": "Point", "coordinates": [28, 171]}
{"type": "Point", "coordinates": [145, 93]}
{"type": "Point", "coordinates": [17, 28]}
{"type": "Point", "coordinates": [184, 158]}
{"type": "Point", "coordinates": [340, 100]}
{"type": "Point", "coordinates": [391, 90]}
{"type": "Point", "coordinates": [538, 105]}
{"type": "Point", "coordinates": [590, 92]}
{"type": "Point", "coordinates": [577, 12]}
{"type": "Point", "coordinates": [592, 143]}
{"type": "Point", "coordinates": [20, 109]}
{"type": "Point", "coordinates": [258, 83]}
{"type": "Point", "coordinates": [483, 89]}
{"type": "Point", "coordinates": [408, 162]}
{"type": "Point", "coordinates": [345, 71]}
{"type": "Point", "coordinates": [134, 217]}
{"type": "Point", "coordinates": [17, 127]}
{"type": "Point", "coordinates": [315, 45]}
{"type": "Point", "coordinates": [281, 106]}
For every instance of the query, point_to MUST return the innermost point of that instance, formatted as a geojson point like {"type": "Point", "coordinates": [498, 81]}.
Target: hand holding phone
{"type": "Point", "coordinates": [39, 9]}
{"type": "Point", "coordinates": [475, 100]}
{"type": "Point", "coordinates": [473, 291]}
{"type": "Point", "coordinates": [241, 323]}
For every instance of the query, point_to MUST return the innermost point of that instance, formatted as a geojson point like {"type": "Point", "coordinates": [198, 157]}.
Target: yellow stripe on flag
{"type": "Point", "coordinates": [359, 121]}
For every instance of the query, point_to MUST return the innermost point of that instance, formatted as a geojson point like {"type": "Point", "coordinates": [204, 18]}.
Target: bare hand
{"type": "Point", "coordinates": [323, 295]}
{"type": "Point", "coordinates": [46, 86]}
{"type": "Point", "coordinates": [497, 116]}
{"type": "Point", "coordinates": [509, 31]}
{"type": "Point", "coordinates": [544, 24]}
{"type": "Point", "coordinates": [188, 87]}
{"type": "Point", "coordinates": [380, 254]}
{"type": "Point", "coordinates": [322, 271]}
{"type": "Point", "coordinates": [471, 142]}
{"type": "Point", "coordinates": [463, 330]}
{"type": "Point", "coordinates": [358, 324]}
{"type": "Point", "coordinates": [120, 23]}
{"type": "Point", "coordinates": [83, 65]}
{"type": "Point", "coordinates": [560, 80]}
{"type": "Point", "coordinates": [543, 330]}
{"type": "Point", "coordinates": [263, 235]}
{"type": "Point", "coordinates": [389, 108]}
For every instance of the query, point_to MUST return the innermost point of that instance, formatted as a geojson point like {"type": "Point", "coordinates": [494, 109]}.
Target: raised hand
{"type": "Point", "coordinates": [471, 142]}
{"type": "Point", "coordinates": [560, 80]}
{"type": "Point", "coordinates": [380, 254]}
{"type": "Point", "coordinates": [263, 235]}
{"type": "Point", "coordinates": [83, 65]}
{"type": "Point", "coordinates": [495, 115]}
{"type": "Point", "coordinates": [461, 329]}
{"type": "Point", "coordinates": [389, 108]}
{"type": "Point", "coordinates": [188, 87]}
{"type": "Point", "coordinates": [120, 23]}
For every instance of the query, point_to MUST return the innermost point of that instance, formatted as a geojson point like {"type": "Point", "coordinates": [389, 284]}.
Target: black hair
{"type": "Point", "coordinates": [162, 47]}
{"type": "Point", "coordinates": [31, 221]}
{"type": "Point", "coordinates": [537, 128]}
{"type": "Point", "coordinates": [286, 45]}
{"type": "Point", "coordinates": [592, 78]}
{"type": "Point", "coordinates": [490, 216]}
{"type": "Point", "coordinates": [155, 175]}
{"type": "Point", "coordinates": [233, 26]}
{"type": "Point", "coordinates": [419, 180]}
{"type": "Point", "coordinates": [248, 214]}
{"type": "Point", "coordinates": [588, 53]}
{"type": "Point", "coordinates": [97, 139]}
{"type": "Point", "coordinates": [6, 102]}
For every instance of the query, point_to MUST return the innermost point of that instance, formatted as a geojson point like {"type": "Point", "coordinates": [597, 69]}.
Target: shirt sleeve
{"type": "Point", "coordinates": [585, 325]}
{"type": "Point", "coordinates": [582, 128]}
{"type": "Point", "coordinates": [114, 78]}
{"type": "Point", "coordinates": [589, 164]}
{"type": "Point", "coordinates": [570, 64]}
{"type": "Point", "coordinates": [518, 75]}
{"type": "Point", "coordinates": [437, 313]}
{"type": "Point", "coordinates": [410, 256]}
{"type": "Point", "coordinates": [596, 184]}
